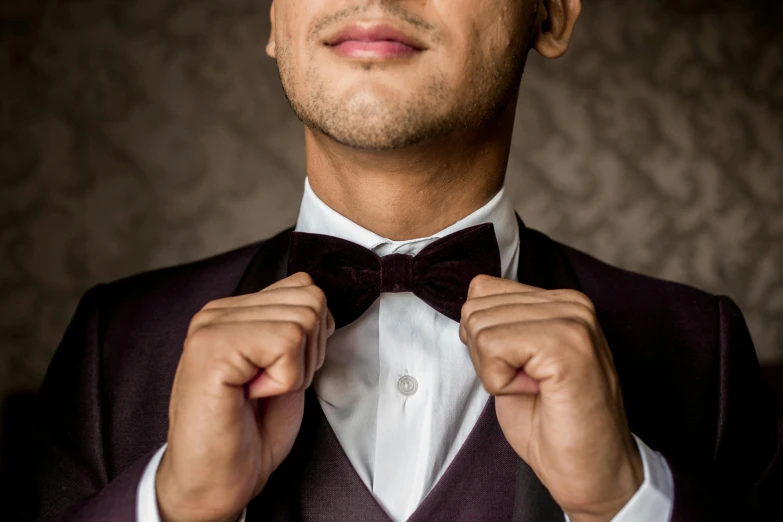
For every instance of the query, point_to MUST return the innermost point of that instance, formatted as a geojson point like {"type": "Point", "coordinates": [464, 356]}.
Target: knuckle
{"type": "Point", "coordinates": [195, 322]}
{"type": "Point", "coordinates": [582, 313]}
{"type": "Point", "coordinates": [486, 340]}
{"type": "Point", "coordinates": [474, 321]}
{"type": "Point", "coordinates": [290, 379]}
{"type": "Point", "coordinates": [293, 377]}
{"type": "Point", "coordinates": [490, 386]}
{"type": "Point", "coordinates": [468, 308]}
{"type": "Point", "coordinates": [559, 369]}
{"type": "Point", "coordinates": [293, 334]}
{"type": "Point", "coordinates": [216, 303]}
{"type": "Point", "coordinates": [577, 331]}
{"type": "Point", "coordinates": [302, 277]}
{"type": "Point", "coordinates": [309, 318]}
{"type": "Point", "coordinates": [492, 381]}
{"type": "Point", "coordinates": [582, 299]}
{"type": "Point", "coordinates": [319, 297]}
{"type": "Point", "coordinates": [198, 339]}
{"type": "Point", "coordinates": [478, 284]}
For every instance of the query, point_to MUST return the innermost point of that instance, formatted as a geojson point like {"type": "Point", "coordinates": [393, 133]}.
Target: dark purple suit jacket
{"type": "Point", "coordinates": [687, 367]}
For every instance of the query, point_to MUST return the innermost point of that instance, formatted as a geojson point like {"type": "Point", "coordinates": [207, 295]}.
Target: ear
{"type": "Point", "coordinates": [556, 21]}
{"type": "Point", "coordinates": [270, 45]}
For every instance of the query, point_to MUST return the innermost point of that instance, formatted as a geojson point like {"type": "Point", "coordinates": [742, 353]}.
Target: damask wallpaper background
{"type": "Point", "coordinates": [136, 134]}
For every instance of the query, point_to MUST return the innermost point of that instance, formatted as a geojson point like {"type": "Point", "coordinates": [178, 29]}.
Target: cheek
{"type": "Point", "coordinates": [481, 35]}
{"type": "Point", "coordinates": [293, 58]}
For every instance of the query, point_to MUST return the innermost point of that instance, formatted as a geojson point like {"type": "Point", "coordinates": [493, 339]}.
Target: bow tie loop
{"type": "Point", "coordinates": [353, 277]}
{"type": "Point", "coordinates": [396, 273]}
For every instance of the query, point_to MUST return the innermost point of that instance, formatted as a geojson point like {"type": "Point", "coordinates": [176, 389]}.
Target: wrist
{"type": "Point", "coordinates": [173, 503]}
{"type": "Point", "coordinates": [630, 478]}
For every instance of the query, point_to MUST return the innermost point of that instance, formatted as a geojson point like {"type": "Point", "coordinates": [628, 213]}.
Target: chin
{"type": "Point", "coordinates": [357, 82]}
{"type": "Point", "coordinates": [376, 109]}
{"type": "Point", "coordinates": [368, 134]}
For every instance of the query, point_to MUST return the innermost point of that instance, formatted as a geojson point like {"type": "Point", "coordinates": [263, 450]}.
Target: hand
{"type": "Point", "coordinates": [238, 397]}
{"type": "Point", "coordinates": [543, 356]}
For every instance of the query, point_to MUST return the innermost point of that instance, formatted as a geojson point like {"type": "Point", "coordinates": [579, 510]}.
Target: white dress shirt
{"type": "Point", "coordinates": [399, 389]}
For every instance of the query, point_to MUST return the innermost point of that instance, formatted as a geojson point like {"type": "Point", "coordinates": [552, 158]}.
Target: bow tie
{"type": "Point", "coordinates": [353, 277]}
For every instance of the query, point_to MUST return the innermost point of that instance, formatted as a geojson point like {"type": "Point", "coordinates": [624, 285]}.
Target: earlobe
{"type": "Point", "coordinates": [556, 22]}
{"type": "Point", "coordinates": [270, 45]}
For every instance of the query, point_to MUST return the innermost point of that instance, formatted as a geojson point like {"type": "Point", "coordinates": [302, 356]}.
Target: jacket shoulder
{"type": "Point", "coordinates": [654, 319]}
{"type": "Point", "coordinates": [152, 310]}
{"type": "Point", "coordinates": [621, 290]}
{"type": "Point", "coordinates": [211, 277]}
{"type": "Point", "coordinates": [665, 341]}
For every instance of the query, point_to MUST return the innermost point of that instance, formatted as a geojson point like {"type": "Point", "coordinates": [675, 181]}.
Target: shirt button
{"type": "Point", "coordinates": [407, 385]}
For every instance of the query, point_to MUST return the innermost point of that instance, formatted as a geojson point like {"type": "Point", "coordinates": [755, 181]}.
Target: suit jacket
{"type": "Point", "coordinates": [688, 371]}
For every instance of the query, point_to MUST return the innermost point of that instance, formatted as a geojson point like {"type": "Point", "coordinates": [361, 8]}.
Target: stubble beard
{"type": "Point", "coordinates": [374, 123]}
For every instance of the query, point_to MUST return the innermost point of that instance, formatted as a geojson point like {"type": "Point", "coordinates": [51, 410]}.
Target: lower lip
{"type": "Point", "coordinates": [376, 50]}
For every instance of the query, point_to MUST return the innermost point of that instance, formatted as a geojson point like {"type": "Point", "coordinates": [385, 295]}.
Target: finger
{"type": "Point", "coordinates": [519, 381]}
{"type": "Point", "coordinates": [480, 303]}
{"type": "Point", "coordinates": [486, 285]}
{"type": "Point", "coordinates": [331, 322]}
{"type": "Point", "coordinates": [573, 296]}
{"type": "Point", "coordinates": [297, 279]}
{"type": "Point", "coordinates": [234, 354]}
{"type": "Point", "coordinates": [474, 321]}
{"type": "Point", "coordinates": [300, 280]}
{"type": "Point", "coordinates": [300, 313]}
{"type": "Point", "coordinates": [543, 349]}
{"type": "Point", "coordinates": [287, 295]}
{"type": "Point", "coordinates": [311, 353]}
{"type": "Point", "coordinates": [328, 330]}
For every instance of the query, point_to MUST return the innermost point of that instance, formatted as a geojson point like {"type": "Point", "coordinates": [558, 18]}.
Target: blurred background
{"type": "Point", "coordinates": [136, 134]}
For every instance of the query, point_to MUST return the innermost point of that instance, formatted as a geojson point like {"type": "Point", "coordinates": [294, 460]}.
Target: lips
{"type": "Point", "coordinates": [375, 42]}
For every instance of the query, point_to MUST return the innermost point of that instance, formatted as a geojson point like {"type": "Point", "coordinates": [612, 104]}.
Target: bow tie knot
{"type": "Point", "coordinates": [396, 273]}
{"type": "Point", "coordinates": [352, 277]}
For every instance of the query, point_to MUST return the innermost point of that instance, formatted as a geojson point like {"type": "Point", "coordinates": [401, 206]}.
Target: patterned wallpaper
{"type": "Point", "coordinates": [141, 133]}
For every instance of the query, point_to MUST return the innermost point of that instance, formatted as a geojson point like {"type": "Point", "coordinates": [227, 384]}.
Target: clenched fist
{"type": "Point", "coordinates": [543, 356]}
{"type": "Point", "coordinates": [238, 397]}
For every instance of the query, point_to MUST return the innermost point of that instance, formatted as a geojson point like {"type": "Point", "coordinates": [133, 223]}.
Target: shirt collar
{"type": "Point", "coordinates": [316, 217]}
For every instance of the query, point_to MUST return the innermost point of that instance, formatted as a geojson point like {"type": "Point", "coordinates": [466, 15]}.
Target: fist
{"type": "Point", "coordinates": [238, 397]}
{"type": "Point", "coordinates": [543, 356]}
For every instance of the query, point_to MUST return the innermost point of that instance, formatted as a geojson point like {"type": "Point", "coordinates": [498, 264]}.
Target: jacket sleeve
{"type": "Point", "coordinates": [67, 445]}
{"type": "Point", "coordinates": [746, 480]}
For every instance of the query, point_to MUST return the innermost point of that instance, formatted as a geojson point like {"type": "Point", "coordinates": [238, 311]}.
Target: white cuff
{"type": "Point", "coordinates": [653, 501]}
{"type": "Point", "coordinates": [147, 498]}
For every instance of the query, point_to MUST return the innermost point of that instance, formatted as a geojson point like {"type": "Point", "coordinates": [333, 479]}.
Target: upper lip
{"type": "Point", "coordinates": [373, 33]}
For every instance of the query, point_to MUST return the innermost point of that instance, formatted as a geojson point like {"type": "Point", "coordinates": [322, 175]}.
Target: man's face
{"type": "Point", "coordinates": [385, 74]}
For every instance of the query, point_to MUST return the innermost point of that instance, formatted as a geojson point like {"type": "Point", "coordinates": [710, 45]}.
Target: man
{"type": "Point", "coordinates": [410, 351]}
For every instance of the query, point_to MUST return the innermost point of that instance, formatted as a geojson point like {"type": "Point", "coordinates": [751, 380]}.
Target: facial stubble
{"type": "Point", "coordinates": [388, 122]}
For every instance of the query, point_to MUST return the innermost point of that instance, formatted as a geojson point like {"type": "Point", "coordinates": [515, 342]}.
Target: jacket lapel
{"type": "Point", "coordinates": [541, 264]}
{"type": "Point", "coordinates": [268, 265]}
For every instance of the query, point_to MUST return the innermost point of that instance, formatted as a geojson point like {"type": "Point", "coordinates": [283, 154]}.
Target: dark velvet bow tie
{"type": "Point", "coordinates": [353, 276]}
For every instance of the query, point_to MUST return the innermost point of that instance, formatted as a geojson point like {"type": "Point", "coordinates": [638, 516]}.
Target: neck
{"type": "Point", "coordinates": [413, 192]}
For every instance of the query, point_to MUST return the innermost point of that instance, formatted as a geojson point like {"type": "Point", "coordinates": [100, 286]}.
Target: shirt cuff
{"type": "Point", "coordinates": [653, 501]}
{"type": "Point", "coordinates": [147, 498]}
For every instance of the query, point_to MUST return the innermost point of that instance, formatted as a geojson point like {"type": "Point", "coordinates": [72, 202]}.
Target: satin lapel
{"type": "Point", "coordinates": [269, 265]}
{"type": "Point", "coordinates": [541, 264]}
